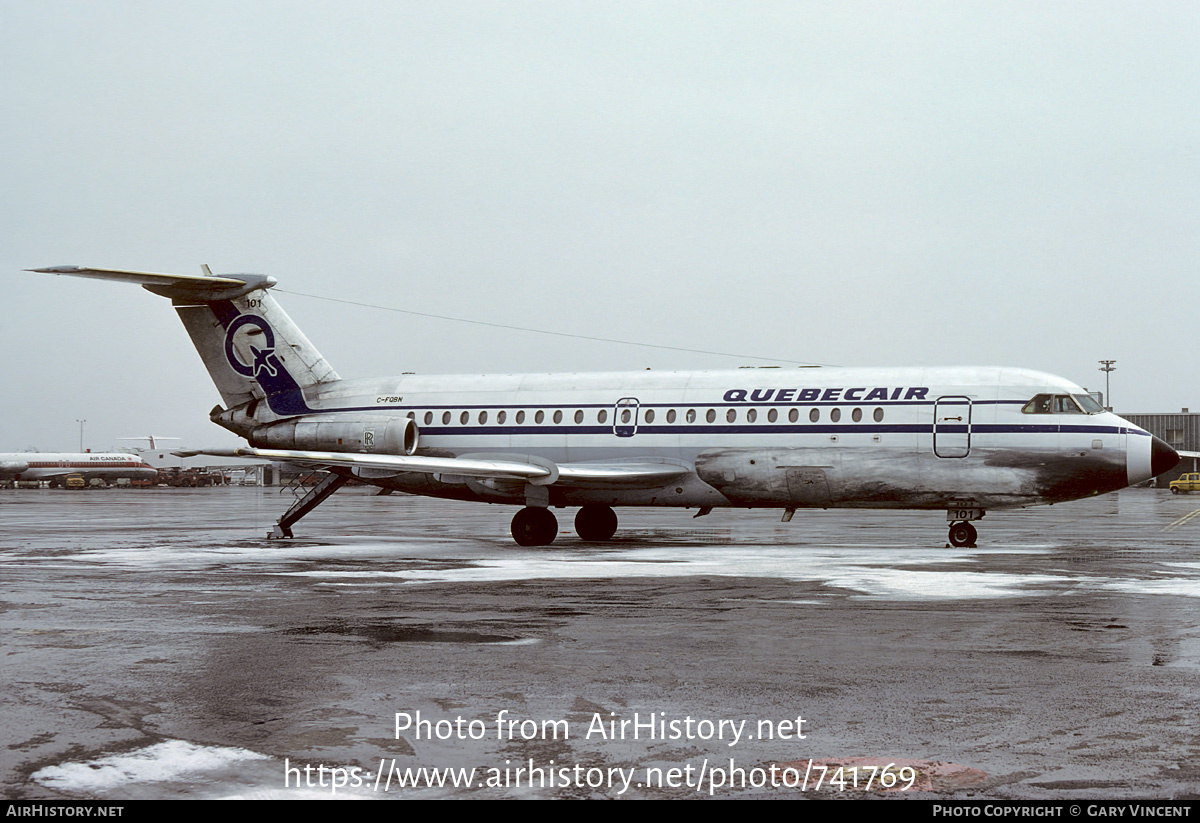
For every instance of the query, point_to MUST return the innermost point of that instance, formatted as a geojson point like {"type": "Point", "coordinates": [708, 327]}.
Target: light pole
{"type": "Point", "coordinates": [1108, 369]}
{"type": "Point", "coordinates": [80, 422]}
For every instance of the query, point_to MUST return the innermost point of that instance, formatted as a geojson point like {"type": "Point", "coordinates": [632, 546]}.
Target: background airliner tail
{"type": "Point", "coordinates": [251, 348]}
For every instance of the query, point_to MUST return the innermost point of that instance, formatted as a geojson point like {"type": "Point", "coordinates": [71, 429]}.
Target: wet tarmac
{"type": "Point", "coordinates": [156, 646]}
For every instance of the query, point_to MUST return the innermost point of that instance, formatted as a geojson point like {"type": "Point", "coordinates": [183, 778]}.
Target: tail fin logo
{"type": "Point", "coordinates": [264, 358]}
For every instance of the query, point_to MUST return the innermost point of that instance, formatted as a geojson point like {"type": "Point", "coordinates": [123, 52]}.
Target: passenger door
{"type": "Point", "coordinates": [952, 426]}
{"type": "Point", "coordinates": [625, 417]}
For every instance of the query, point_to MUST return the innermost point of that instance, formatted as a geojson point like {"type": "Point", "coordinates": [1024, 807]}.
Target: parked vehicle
{"type": "Point", "coordinates": [1189, 482]}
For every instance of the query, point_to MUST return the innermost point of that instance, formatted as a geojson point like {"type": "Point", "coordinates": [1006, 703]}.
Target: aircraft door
{"type": "Point", "coordinates": [952, 426]}
{"type": "Point", "coordinates": [625, 417]}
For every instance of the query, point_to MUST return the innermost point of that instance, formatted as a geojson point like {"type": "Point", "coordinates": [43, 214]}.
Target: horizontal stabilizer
{"type": "Point", "coordinates": [204, 287]}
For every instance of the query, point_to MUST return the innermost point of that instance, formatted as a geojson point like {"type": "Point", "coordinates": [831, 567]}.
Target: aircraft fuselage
{"type": "Point", "coordinates": [816, 437]}
{"type": "Point", "coordinates": [89, 465]}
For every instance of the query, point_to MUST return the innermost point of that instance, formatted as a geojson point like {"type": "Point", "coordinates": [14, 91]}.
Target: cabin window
{"type": "Point", "coordinates": [465, 418]}
{"type": "Point", "coordinates": [601, 416]}
{"type": "Point", "coordinates": [814, 415]}
{"type": "Point", "coordinates": [412, 415]}
{"type": "Point", "coordinates": [445, 418]}
{"type": "Point", "coordinates": [751, 415]}
{"type": "Point", "coordinates": [856, 415]}
{"type": "Point", "coordinates": [539, 416]}
{"type": "Point", "coordinates": [731, 416]}
{"type": "Point", "coordinates": [835, 415]}
{"type": "Point", "coordinates": [670, 415]}
{"type": "Point", "coordinates": [649, 415]}
{"type": "Point", "coordinates": [772, 415]}
{"type": "Point", "coordinates": [428, 418]}
{"type": "Point", "coordinates": [557, 416]}
{"type": "Point", "coordinates": [578, 416]}
{"type": "Point", "coordinates": [691, 415]}
{"type": "Point", "coordinates": [711, 416]}
{"type": "Point", "coordinates": [793, 415]}
{"type": "Point", "coordinates": [482, 417]}
{"type": "Point", "coordinates": [501, 416]}
{"type": "Point", "coordinates": [520, 417]}
{"type": "Point", "coordinates": [625, 415]}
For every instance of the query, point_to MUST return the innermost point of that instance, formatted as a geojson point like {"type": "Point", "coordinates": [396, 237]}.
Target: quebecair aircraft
{"type": "Point", "coordinates": [964, 440]}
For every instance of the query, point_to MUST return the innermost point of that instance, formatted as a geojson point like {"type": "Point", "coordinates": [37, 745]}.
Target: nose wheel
{"type": "Point", "coordinates": [963, 535]}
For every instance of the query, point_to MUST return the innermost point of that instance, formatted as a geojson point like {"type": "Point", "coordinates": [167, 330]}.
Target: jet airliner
{"type": "Point", "coordinates": [89, 465]}
{"type": "Point", "coordinates": [965, 440]}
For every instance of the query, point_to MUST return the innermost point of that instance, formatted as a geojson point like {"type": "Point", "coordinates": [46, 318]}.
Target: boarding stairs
{"type": "Point", "coordinates": [306, 499]}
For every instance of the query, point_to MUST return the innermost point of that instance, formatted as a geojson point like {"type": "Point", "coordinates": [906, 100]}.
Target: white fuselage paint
{"type": "Point", "coordinates": [924, 437]}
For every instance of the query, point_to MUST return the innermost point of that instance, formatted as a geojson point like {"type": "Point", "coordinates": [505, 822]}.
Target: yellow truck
{"type": "Point", "coordinates": [1186, 483]}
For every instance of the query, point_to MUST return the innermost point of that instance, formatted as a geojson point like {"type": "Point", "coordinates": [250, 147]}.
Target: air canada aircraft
{"type": "Point", "coordinates": [965, 439]}
{"type": "Point", "coordinates": [88, 465]}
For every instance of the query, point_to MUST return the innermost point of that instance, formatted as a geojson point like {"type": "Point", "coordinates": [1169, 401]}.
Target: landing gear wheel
{"type": "Point", "coordinates": [596, 523]}
{"type": "Point", "coordinates": [962, 534]}
{"type": "Point", "coordinates": [534, 526]}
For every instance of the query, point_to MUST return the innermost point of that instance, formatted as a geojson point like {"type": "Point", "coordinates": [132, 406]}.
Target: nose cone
{"type": "Point", "coordinates": [1162, 457]}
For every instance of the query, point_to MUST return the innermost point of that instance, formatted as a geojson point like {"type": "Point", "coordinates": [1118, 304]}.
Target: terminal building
{"type": "Point", "coordinates": [1179, 430]}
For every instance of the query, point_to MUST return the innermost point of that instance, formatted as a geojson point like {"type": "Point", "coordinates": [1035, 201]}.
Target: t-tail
{"type": "Point", "coordinates": [251, 348]}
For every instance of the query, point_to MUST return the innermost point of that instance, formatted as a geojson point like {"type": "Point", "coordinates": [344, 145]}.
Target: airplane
{"type": "Point", "coordinates": [966, 440]}
{"type": "Point", "coordinates": [89, 465]}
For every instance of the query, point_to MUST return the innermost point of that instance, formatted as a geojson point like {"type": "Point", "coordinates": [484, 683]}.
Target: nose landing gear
{"type": "Point", "coordinates": [963, 535]}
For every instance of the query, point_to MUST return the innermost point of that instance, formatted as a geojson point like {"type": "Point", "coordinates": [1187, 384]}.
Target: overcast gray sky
{"type": "Point", "coordinates": [841, 183]}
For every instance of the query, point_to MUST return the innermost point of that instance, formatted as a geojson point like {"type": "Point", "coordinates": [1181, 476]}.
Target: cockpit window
{"type": "Point", "coordinates": [1040, 404]}
{"type": "Point", "coordinates": [1065, 404]}
{"type": "Point", "coordinates": [1062, 404]}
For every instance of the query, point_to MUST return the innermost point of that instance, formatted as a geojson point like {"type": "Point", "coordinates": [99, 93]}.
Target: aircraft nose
{"type": "Point", "coordinates": [1162, 457]}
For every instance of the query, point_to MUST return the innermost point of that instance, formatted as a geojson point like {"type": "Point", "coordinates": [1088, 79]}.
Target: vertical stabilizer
{"type": "Point", "coordinates": [251, 348]}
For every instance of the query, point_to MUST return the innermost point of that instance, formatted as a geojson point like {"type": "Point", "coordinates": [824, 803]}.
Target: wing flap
{"type": "Point", "coordinates": [619, 475]}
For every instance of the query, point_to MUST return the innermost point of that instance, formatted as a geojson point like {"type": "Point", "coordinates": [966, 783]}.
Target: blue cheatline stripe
{"type": "Point", "coordinates": [682, 407]}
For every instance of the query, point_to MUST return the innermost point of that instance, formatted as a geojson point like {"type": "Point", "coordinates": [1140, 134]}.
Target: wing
{"type": "Point", "coordinates": [617, 474]}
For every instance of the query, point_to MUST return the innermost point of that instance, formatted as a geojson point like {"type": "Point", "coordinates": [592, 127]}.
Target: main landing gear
{"type": "Point", "coordinates": [534, 526]}
{"type": "Point", "coordinates": [537, 526]}
{"type": "Point", "coordinates": [596, 523]}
